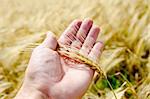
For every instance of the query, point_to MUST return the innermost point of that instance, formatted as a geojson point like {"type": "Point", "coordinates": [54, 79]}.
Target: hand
{"type": "Point", "coordinates": [51, 76]}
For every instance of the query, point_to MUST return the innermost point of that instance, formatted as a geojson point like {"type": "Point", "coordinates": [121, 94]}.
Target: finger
{"type": "Point", "coordinates": [82, 33]}
{"type": "Point", "coordinates": [90, 40]}
{"type": "Point", "coordinates": [50, 41]}
{"type": "Point", "coordinates": [76, 44]}
{"type": "Point", "coordinates": [69, 34]}
{"type": "Point", "coordinates": [96, 51]}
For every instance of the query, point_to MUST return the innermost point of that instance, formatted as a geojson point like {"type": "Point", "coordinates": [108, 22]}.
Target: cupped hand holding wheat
{"type": "Point", "coordinates": [51, 75]}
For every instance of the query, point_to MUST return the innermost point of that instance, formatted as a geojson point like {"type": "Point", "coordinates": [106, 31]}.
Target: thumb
{"type": "Point", "coordinates": [50, 41]}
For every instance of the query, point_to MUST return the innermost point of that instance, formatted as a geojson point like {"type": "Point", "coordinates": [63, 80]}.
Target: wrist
{"type": "Point", "coordinates": [27, 92]}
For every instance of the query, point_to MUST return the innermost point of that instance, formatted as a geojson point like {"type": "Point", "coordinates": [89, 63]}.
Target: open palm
{"type": "Point", "coordinates": [58, 77]}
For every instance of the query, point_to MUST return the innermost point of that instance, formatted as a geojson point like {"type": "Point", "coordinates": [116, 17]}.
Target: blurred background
{"type": "Point", "coordinates": [125, 30]}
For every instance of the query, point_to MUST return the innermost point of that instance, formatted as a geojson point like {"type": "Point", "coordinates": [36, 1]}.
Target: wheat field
{"type": "Point", "coordinates": [125, 31]}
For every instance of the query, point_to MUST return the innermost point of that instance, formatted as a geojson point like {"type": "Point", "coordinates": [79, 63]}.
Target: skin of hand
{"type": "Point", "coordinates": [50, 76]}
